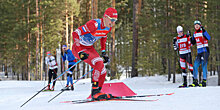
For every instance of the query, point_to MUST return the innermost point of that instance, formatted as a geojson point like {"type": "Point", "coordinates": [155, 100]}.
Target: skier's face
{"type": "Point", "coordinates": [180, 33]}
{"type": "Point", "coordinates": [64, 48]}
{"type": "Point", "coordinates": [48, 55]}
{"type": "Point", "coordinates": [108, 21]}
{"type": "Point", "coordinates": [197, 26]}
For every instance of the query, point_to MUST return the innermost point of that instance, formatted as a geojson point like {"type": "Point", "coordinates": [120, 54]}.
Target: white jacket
{"type": "Point", "coordinates": [51, 62]}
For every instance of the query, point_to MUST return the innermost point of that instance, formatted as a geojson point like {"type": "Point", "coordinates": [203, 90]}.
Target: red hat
{"type": "Point", "coordinates": [48, 53]}
{"type": "Point", "coordinates": [111, 12]}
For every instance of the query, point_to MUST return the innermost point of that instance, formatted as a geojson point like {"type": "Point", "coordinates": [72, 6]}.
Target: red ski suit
{"type": "Point", "coordinates": [84, 37]}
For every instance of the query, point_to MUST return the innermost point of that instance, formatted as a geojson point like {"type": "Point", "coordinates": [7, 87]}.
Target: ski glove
{"type": "Point", "coordinates": [174, 43]}
{"type": "Point", "coordinates": [202, 28]}
{"type": "Point", "coordinates": [105, 57]}
{"type": "Point", "coordinates": [188, 33]}
{"type": "Point", "coordinates": [83, 55]}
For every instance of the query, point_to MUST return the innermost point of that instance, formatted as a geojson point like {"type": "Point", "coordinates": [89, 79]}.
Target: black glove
{"type": "Point", "coordinates": [174, 43]}
{"type": "Point", "coordinates": [202, 28]}
{"type": "Point", "coordinates": [83, 55]}
{"type": "Point", "coordinates": [188, 33]}
{"type": "Point", "coordinates": [65, 52]}
{"type": "Point", "coordinates": [105, 57]}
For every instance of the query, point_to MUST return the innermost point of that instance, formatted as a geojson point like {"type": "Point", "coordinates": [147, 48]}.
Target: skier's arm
{"type": "Point", "coordinates": [193, 40]}
{"type": "Point", "coordinates": [103, 43]}
{"type": "Point", "coordinates": [46, 60]}
{"type": "Point", "coordinates": [90, 27]}
{"type": "Point", "coordinates": [206, 35]}
{"type": "Point", "coordinates": [175, 47]}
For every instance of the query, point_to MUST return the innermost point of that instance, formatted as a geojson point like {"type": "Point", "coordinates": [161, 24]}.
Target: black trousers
{"type": "Point", "coordinates": [52, 73]}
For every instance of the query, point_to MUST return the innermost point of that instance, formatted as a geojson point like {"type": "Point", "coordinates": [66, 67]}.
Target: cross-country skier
{"type": "Point", "coordinates": [68, 55]}
{"type": "Point", "coordinates": [84, 37]}
{"type": "Point", "coordinates": [182, 44]}
{"type": "Point", "coordinates": [200, 37]}
{"type": "Point", "coordinates": [51, 62]}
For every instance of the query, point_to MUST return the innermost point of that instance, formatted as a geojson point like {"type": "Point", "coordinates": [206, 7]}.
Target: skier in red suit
{"type": "Point", "coordinates": [84, 37]}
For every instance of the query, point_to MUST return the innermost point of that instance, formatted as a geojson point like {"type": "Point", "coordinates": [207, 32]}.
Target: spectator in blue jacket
{"type": "Point", "coordinates": [68, 55]}
{"type": "Point", "coordinates": [200, 38]}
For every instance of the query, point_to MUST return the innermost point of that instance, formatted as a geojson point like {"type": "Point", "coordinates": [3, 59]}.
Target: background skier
{"type": "Point", "coordinates": [68, 55]}
{"type": "Point", "coordinates": [200, 37]}
{"type": "Point", "coordinates": [182, 44]}
{"type": "Point", "coordinates": [51, 62]}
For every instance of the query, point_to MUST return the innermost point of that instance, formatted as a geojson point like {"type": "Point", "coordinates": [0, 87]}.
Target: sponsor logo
{"type": "Point", "coordinates": [115, 14]}
{"type": "Point", "coordinates": [96, 75]}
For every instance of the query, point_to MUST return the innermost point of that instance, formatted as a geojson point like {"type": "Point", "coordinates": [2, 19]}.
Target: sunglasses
{"type": "Point", "coordinates": [112, 19]}
{"type": "Point", "coordinates": [64, 48]}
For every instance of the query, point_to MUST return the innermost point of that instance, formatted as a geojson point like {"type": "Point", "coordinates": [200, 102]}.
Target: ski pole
{"type": "Point", "coordinates": [73, 83]}
{"type": "Point", "coordinates": [50, 83]}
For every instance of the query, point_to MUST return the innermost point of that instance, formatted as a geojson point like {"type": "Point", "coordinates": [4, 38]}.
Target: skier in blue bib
{"type": "Point", "coordinates": [68, 55]}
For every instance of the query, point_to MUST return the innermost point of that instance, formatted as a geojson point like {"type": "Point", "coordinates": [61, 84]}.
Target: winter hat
{"type": "Point", "coordinates": [179, 29]}
{"type": "Point", "coordinates": [197, 22]}
{"type": "Point", "coordinates": [64, 46]}
{"type": "Point", "coordinates": [111, 12]}
{"type": "Point", "coordinates": [48, 53]}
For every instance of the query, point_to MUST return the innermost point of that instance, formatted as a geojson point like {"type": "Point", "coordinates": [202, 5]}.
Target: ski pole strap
{"type": "Point", "coordinates": [65, 71]}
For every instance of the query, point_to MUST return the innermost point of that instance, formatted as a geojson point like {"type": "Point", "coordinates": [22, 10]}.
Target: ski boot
{"type": "Point", "coordinates": [66, 88]}
{"type": "Point", "coordinates": [97, 94]}
{"type": "Point", "coordinates": [72, 88]}
{"type": "Point", "coordinates": [48, 88]}
{"type": "Point", "coordinates": [52, 89]}
{"type": "Point", "coordinates": [203, 84]}
{"type": "Point", "coordinates": [184, 82]}
{"type": "Point", "coordinates": [183, 85]}
{"type": "Point", "coordinates": [195, 83]}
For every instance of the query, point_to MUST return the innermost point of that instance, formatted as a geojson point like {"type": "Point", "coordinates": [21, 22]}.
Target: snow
{"type": "Point", "coordinates": [14, 93]}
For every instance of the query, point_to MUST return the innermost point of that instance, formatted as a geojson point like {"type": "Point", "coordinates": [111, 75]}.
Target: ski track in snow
{"type": "Point", "coordinates": [14, 93]}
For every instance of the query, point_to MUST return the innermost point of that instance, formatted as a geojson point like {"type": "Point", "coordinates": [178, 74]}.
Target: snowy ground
{"type": "Point", "coordinates": [14, 93]}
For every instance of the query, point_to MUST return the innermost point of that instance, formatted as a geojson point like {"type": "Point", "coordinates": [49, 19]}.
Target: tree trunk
{"type": "Point", "coordinates": [95, 14]}
{"type": "Point", "coordinates": [41, 47]}
{"type": "Point", "coordinates": [6, 68]}
{"type": "Point", "coordinates": [84, 69]}
{"type": "Point", "coordinates": [37, 42]}
{"type": "Point", "coordinates": [174, 69]}
{"type": "Point", "coordinates": [67, 33]}
{"type": "Point", "coordinates": [169, 72]}
{"type": "Point", "coordinates": [71, 31]}
{"type": "Point", "coordinates": [134, 72]}
{"type": "Point", "coordinates": [28, 42]}
{"type": "Point", "coordinates": [78, 72]}
{"type": "Point", "coordinates": [113, 62]}
{"type": "Point", "coordinates": [218, 67]}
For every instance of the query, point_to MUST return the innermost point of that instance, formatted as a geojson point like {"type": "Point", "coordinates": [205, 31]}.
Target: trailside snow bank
{"type": "Point", "coordinates": [14, 93]}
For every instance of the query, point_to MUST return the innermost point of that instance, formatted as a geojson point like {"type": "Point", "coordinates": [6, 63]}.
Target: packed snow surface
{"type": "Point", "coordinates": [14, 93]}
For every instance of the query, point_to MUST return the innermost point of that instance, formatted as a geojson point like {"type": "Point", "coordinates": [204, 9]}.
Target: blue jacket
{"type": "Point", "coordinates": [69, 57]}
